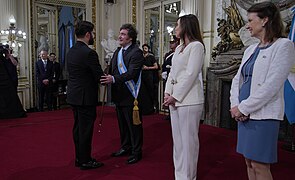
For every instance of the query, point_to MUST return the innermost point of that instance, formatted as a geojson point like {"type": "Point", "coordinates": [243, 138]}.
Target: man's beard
{"type": "Point", "coordinates": [91, 40]}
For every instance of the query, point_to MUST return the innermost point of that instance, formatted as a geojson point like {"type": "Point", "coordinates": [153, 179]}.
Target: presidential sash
{"type": "Point", "coordinates": [133, 88]}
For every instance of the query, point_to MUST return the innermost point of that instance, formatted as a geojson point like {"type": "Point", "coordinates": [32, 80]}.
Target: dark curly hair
{"type": "Point", "coordinates": [132, 33]}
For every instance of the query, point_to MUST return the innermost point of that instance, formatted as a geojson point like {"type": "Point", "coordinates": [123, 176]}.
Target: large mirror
{"type": "Point", "coordinates": [55, 30]}
{"type": "Point", "coordinates": [152, 29]}
{"type": "Point", "coordinates": [160, 21]}
{"type": "Point", "coordinates": [171, 13]}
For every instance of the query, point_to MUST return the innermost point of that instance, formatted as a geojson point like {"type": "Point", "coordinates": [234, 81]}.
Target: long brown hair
{"type": "Point", "coordinates": [274, 27]}
{"type": "Point", "coordinates": [190, 26]}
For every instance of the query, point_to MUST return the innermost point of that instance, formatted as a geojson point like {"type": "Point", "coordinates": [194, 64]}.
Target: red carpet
{"type": "Point", "coordinates": [40, 147]}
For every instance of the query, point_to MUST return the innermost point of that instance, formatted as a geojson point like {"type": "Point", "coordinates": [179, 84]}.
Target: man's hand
{"type": "Point", "coordinates": [164, 75]}
{"type": "Point", "coordinates": [45, 81]}
{"type": "Point", "coordinates": [144, 67]}
{"type": "Point", "coordinates": [106, 79]}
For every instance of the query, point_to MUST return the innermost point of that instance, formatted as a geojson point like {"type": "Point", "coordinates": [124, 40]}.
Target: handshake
{"type": "Point", "coordinates": [106, 79]}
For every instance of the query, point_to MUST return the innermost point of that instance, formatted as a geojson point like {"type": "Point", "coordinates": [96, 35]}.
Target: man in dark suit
{"type": "Point", "coordinates": [82, 93]}
{"type": "Point", "coordinates": [126, 66]}
{"type": "Point", "coordinates": [166, 66]}
{"type": "Point", "coordinates": [44, 73]}
{"type": "Point", "coordinates": [56, 75]}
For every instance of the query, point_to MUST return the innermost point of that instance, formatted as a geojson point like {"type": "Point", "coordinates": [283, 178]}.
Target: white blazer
{"type": "Point", "coordinates": [270, 71]}
{"type": "Point", "coordinates": [183, 82]}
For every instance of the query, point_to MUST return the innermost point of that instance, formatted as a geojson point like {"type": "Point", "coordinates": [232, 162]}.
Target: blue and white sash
{"type": "Point", "coordinates": [133, 88]}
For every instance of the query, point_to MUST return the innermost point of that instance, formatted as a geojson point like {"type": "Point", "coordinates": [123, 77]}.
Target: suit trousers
{"type": "Point", "coordinates": [185, 121]}
{"type": "Point", "coordinates": [131, 135]}
{"type": "Point", "coordinates": [45, 91]}
{"type": "Point", "coordinates": [84, 117]}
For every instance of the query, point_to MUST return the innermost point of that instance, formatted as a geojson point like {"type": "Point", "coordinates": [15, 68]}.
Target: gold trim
{"type": "Point", "coordinates": [150, 2]}
{"type": "Point", "coordinates": [208, 31]}
{"type": "Point", "coordinates": [94, 20]}
{"type": "Point", "coordinates": [33, 50]}
{"type": "Point", "coordinates": [63, 3]}
{"type": "Point", "coordinates": [208, 36]}
{"type": "Point", "coordinates": [134, 12]}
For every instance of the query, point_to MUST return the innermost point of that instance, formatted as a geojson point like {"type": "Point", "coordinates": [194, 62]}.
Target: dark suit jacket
{"type": "Point", "coordinates": [167, 61]}
{"type": "Point", "coordinates": [133, 60]}
{"type": "Point", "coordinates": [42, 73]}
{"type": "Point", "coordinates": [56, 71]}
{"type": "Point", "coordinates": [11, 69]}
{"type": "Point", "coordinates": [84, 74]}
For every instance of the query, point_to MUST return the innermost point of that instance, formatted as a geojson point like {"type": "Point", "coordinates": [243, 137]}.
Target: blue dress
{"type": "Point", "coordinates": [257, 139]}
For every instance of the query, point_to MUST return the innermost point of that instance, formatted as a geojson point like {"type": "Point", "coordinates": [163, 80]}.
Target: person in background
{"type": "Point", "coordinates": [82, 93]}
{"type": "Point", "coordinates": [185, 97]}
{"type": "Point", "coordinates": [256, 95]}
{"type": "Point", "coordinates": [166, 66]}
{"type": "Point", "coordinates": [149, 66]}
{"type": "Point", "coordinates": [44, 73]}
{"type": "Point", "coordinates": [156, 81]}
{"type": "Point", "coordinates": [11, 63]}
{"type": "Point", "coordinates": [56, 75]}
{"type": "Point", "coordinates": [11, 106]}
{"type": "Point", "coordinates": [125, 77]}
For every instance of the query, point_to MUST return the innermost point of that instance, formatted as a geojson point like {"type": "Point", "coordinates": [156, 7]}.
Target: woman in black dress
{"type": "Point", "coordinates": [10, 105]}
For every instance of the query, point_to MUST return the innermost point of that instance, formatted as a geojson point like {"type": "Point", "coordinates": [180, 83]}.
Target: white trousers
{"type": "Point", "coordinates": [185, 121]}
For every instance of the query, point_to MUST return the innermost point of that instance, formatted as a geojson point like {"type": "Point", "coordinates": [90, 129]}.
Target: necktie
{"type": "Point", "coordinates": [123, 51]}
{"type": "Point", "coordinates": [45, 63]}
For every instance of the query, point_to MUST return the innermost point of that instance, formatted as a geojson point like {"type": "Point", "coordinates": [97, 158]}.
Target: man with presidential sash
{"type": "Point", "coordinates": [125, 78]}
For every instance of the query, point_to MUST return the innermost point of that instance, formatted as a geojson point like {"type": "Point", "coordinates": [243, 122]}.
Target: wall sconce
{"type": "Point", "coordinates": [110, 2]}
{"type": "Point", "coordinates": [14, 35]}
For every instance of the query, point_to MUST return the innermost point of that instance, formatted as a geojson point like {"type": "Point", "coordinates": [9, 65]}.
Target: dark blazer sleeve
{"type": "Point", "coordinates": [57, 71]}
{"type": "Point", "coordinates": [94, 65]}
{"type": "Point", "coordinates": [37, 70]}
{"type": "Point", "coordinates": [50, 71]}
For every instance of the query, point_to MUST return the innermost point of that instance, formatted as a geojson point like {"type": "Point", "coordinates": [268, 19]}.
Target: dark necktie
{"type": "Point", "coordinates": [123, 51]}
{"type": "Point", "coordinates": [45, 63]}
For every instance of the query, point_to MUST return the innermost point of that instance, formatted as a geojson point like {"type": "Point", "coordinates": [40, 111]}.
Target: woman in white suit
{"type": "Point", "coordinates": [185, 98]}
{"type": "Point", "coordinates": [257, 100]}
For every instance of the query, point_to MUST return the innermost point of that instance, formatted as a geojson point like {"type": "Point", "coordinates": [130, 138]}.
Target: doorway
{"type": "Point", "coordinates": [53, 30]}
{"type": "Point", "coordinates": [159, 22]}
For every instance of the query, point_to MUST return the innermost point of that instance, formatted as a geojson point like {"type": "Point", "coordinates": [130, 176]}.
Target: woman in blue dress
{"type": "Point", "coordinates": [257, 101]}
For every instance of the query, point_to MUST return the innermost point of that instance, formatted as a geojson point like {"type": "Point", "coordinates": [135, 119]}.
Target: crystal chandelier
{"type": "Point", "coordinates": [14, 35]}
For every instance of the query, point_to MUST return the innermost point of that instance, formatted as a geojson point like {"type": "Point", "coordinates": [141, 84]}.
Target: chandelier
{"type": "Point", "coordinates": [14, 35]}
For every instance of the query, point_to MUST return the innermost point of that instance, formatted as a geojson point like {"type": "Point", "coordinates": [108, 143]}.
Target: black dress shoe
{"type": "Point", "coordinates": [91, 165]}
{"type": "Point", "coordinates": [77, 163]}
{"type": "Point", "coordinates": [121, 152]}
{"type": "Point", "coordinates": [167, 118]}
{"type": "Point", "coordinates": [133, 159]}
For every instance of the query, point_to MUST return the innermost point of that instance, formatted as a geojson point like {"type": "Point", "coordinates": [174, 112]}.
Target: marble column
{"type": "Point", "coordinates": [7, 8]}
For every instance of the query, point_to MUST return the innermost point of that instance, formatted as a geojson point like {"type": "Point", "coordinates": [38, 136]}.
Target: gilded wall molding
{"type": "Point", "coordinates": [93, 18]}
{"type": "Point", "coordinates": [150, 2]}
{"type": "Point", "coordinates": [62, 3]}
{"type": "Point", "coordinates": [33, 50]}
{"type": "Point", "coordinates": [134, 12]}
